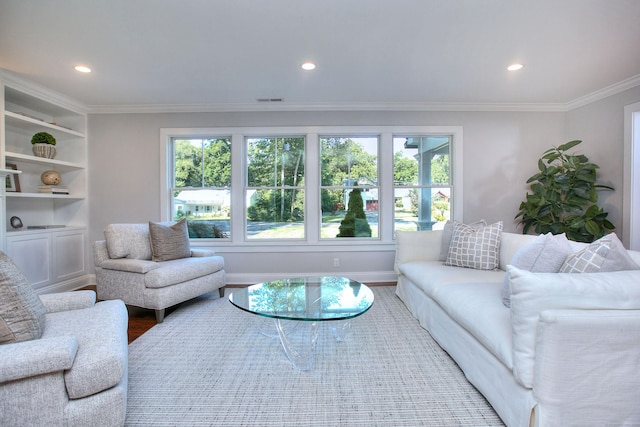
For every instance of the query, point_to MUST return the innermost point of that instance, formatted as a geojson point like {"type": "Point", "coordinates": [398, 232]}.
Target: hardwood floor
{"type": "Point", "coordinates": [141, 319]}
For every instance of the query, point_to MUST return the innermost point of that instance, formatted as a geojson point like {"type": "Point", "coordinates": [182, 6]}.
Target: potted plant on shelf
{"type": "Point", "coordinates": [43, 145]}
{"type": "Point", "coordinates": [564, 197]}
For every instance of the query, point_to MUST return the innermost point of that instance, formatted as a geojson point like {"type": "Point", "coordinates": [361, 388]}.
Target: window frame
{"type": "Point", "coordinates": [312, 215]}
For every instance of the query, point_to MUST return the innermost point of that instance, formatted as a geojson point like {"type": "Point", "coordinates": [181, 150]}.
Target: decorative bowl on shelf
{"type": "Point", "coordinates": [51, 178]}
{"type": "Point", "coordinates": [47, 151]}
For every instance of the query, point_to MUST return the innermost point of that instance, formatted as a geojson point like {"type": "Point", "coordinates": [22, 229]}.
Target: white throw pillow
{"type": "Point", "coordinates": [533, 293]}
{"type": "Point", "coordinates": [479, 249]}
{"type": "Point", "coordinates": [605, 254]}
{"type": "Point", "coordinates": [545, 254]}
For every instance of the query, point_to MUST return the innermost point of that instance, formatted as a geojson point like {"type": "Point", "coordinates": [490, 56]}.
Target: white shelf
{"type": "Point", "coordinates": [9, 155]}
{"type": "Point", "coordinates": [26, 123]}
{"type": "Point", "coordinates": [43, 196]}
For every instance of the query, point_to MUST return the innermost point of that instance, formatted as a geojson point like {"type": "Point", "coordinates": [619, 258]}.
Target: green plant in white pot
{"type": "Point", "coordinates": [564, 197]}
{"type": "Point", "coordinates": [43, 145]}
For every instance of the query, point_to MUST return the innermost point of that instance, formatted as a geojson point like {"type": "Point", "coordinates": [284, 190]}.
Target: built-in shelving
{"type": "Point", "coordinates": [25, 110]}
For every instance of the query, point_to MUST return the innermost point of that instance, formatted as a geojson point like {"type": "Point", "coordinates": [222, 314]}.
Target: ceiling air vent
{"type": "Point", "coordinates": [270, 99]}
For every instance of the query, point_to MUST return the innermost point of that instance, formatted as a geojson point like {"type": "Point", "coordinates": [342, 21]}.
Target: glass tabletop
{"type": "Point", "coordinates": [305, 298]}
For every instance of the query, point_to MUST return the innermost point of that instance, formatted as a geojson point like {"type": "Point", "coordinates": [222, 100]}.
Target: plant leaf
{"type": "Point", "coordinates": [569, 145]}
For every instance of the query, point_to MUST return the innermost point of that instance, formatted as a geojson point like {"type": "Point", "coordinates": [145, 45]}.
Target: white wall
{"type": "Point", "coordinates": [600, 125]}
{"type": "Point", "coordinates": [500, 153]}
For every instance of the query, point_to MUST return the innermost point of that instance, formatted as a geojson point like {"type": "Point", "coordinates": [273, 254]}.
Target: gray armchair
{"type": "Point", "coordinates": [63, 357]}
{"type": "Point", "coordinates": [129, 267]}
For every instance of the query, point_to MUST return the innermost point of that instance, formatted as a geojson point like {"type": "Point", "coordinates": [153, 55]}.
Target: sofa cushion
{"type": "Point", "coordinates": [169, 241]}
{"type": "Point", "coordinates": [140, 266]}
{"type": "Point", "coordinates": [545, 254]}
{"type": "Point", "coordinates": [22, 315]}
{"type": "Point", "coordinates": [101, 360]}
{"type": "Point", "coordinates": [476, 306]}
{"type": "Point", "coordinates": [181, 270]}
{"type": "Point", "coordinates": [605, 254]}
{"type": "Point", "coordinates": [431, 275]}
{"type": "Point", "coordinates": [128, 241]}
{"type": "Point", "coordinates": [533, 293]}
{"type": "Point", "coordinates": [471, 248]}
{"type": "Point", "coordinates": [447, 234]}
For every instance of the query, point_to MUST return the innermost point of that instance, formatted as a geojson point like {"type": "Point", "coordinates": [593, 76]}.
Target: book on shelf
{"type": "Point", "coordinates": [52, 189]}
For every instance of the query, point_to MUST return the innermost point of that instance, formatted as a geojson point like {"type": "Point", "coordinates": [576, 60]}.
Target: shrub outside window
{"type": "Point", "coordinates": [349, 189]}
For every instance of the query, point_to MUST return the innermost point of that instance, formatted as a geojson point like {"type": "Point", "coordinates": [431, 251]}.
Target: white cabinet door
{"type": "Point", "coordinates": [49, 257]}
{"type": "Point", "coordinates": [68, 254]}
{"type": "Point", "coordinates": [32, 254]}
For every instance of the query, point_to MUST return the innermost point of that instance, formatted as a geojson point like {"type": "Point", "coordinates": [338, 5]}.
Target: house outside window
{"type": "Point", "coordinates": [293, 186]}
{"type": "Point", "coordinates": [202, 185]}
{"type": "Point", "coordinates": [349, 186]}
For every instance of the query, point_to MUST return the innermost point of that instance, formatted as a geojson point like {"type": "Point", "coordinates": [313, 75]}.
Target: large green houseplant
{"type": "Point", "coordinates": [564, 197]}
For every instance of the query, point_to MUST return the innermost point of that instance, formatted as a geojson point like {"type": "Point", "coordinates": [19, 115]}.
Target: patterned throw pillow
{"type": "Point", "coordinates": [22, 315]}
{"type": "Point", "coordinates": [605, 254]}
{"type": "Point", "coordinates": [447, 234]}
{"type": "Point", "coordinates": [169, 241]}
{"type": "Point", "coordinates": [479, 249]}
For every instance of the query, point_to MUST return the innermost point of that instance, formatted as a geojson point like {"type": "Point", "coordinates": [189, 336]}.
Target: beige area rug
{"type": "Point", "coordinates": [207, 365]}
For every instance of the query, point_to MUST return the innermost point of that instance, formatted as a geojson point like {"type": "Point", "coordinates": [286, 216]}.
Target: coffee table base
{"type": "Point", "coordinates": [301, 353]}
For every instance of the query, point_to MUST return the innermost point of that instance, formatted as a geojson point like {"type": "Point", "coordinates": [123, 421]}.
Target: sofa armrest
{"type": "Point", "coordinates": [37, 357]}
{"type": "Point", "coordinates": [202, 253]}
{"type": "Point", "coordinates": [587, 367]}
{"type": "Point", "coordinates": [64, 301]}
{"type": "Point", "coordinates": [140, 266]}
{"type": "Point", "coordinates": [417, 246]}
{"type": "Point", "coordinates": [100, 252]}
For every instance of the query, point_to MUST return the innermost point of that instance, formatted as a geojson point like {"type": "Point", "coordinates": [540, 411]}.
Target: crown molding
{"type": "Point", "coordinates": [361, 106]}
{"type": "Point", "coordinates": [17, 82]}
{"type": "Point", "coordinates": [369, 106]}
{"type": "Point", "coordinates": [615, 88]}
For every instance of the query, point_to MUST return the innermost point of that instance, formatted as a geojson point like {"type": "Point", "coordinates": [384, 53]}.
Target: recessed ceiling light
{"type": "Point", "coordinates": [308, 66]}
{"type": "Point", "coordinates": [515, 67]}
{"type": "Point", "coordinates": [82, 68]}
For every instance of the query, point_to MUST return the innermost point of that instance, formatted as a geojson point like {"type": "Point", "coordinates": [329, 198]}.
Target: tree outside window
{"type": "Point", "coordinates": [349, 169]}
{"type": "Point", "coordinates": [202, 185]}
{"type": "Point", "coordinates": [275, 188]}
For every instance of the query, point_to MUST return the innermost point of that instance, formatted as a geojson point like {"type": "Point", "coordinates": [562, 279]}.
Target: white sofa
{"type": "Point", "coordinates": [582, 364]}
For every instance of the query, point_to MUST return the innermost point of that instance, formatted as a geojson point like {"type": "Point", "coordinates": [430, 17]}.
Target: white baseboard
{"type": "Point", "coordinates": [67, 285]}
{"type": "Point", "coordinates": [364, 277]}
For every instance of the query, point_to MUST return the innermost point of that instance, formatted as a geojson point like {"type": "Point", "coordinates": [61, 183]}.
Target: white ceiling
{"type": "Point", "coordinates": [190, 54]}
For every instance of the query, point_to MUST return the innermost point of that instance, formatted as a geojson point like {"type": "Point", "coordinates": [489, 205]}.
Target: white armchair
{"type": "Point", "coordinates": [63, 358]}
{"type": "Point", "coordinates": [129, 268]}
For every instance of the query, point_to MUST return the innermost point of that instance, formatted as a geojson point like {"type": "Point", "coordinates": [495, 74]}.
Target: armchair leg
{"type": "Point", "coordinates": [221, 291]}
{"type": "Point", "coordinates": [160, 315]}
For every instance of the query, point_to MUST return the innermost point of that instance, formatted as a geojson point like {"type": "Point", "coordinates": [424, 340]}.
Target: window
{"type": "Point", "coordinates": [201, 190]}
{"type": "Point", "coordinates": [422, 182]}
{"type": "Point", "coordinates": [275, 188]}
{"type": "Point", "coordinates": [349, 187]}
{"type": "Point", "coordinates": [296, 186]}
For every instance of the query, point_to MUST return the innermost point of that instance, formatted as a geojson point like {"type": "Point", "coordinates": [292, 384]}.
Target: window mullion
{"type": "Point", "coordinates": [312, 203]}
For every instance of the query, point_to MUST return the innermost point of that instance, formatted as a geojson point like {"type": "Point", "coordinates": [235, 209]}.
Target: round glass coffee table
{"type": "Point", "coordinates": [306, 299]}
